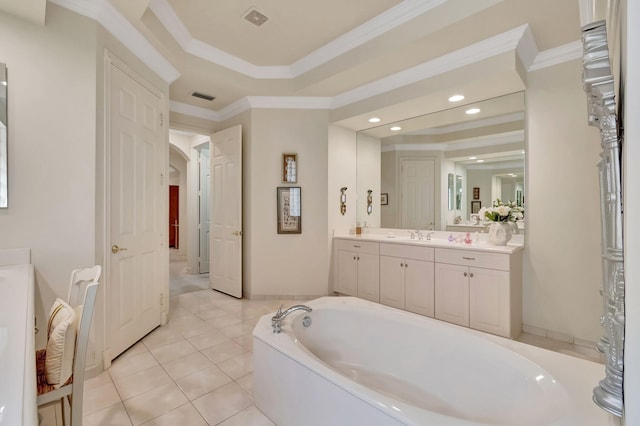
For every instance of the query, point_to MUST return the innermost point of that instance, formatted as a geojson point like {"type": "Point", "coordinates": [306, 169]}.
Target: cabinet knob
{"type": "Point", "coordinates": [406, 265]}
{"type": "Point", "coordinates": [401, 264]}
{"type": "Point", "coordinates": [471, 274]}
{"type": "Point", "coordinates": [354, 258]}
{"type": "Point", "coordinates": [465, 274]}
{"type": "Point", "coordinates": [358, 257]}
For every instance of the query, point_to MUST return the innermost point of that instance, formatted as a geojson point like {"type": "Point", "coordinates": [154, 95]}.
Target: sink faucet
{"type": "Point", "coordinates": [428, 236]}
{"type": "Point", "coordinates": [276, 320]}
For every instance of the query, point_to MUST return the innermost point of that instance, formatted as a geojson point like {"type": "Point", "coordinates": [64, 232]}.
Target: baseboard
{"type": "Point", "coordinates": [556, 335]}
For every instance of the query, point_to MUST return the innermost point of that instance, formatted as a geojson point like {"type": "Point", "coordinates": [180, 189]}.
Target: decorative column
{"type": "Point", "coordinates": [600, 89]}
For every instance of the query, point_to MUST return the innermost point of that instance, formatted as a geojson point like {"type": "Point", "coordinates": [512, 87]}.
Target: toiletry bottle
{"type": "Point", "coordinates": [451, 238]}
{"type": "Point", "coordinates": [358, 228]}
{"type": "Point", "coordinates": [468, 239]}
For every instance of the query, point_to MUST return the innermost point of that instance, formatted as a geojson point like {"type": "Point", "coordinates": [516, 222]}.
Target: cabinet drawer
{"type": "Point", "coordinates": [360, 246]}
{"type": "Point", "coordinates": [480, 259]}
{"type": "Point", "coordinates": [407, 251]}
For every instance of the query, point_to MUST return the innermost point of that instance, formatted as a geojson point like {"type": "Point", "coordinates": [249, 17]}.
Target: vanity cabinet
{"type": "Point", "coordinates": [358, 269]}
{"type": "Point", "coordinates": [481, 290]}
{"type": "Point", "coordinates": [406, 278]}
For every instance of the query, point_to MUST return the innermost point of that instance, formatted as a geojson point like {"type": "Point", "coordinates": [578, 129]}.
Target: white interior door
{"type": "Point", "coordinates": [226, 211]}
{"type": "Point", "coordinates": [418, 196]}
{"type": "Point", "coordinates": [204, 223]}
{"type": "Point", "coordinates": [137, 212]}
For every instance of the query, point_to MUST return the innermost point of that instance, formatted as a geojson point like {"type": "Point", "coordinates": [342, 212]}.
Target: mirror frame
{"type": "Point", "coordinates": [4, 138]}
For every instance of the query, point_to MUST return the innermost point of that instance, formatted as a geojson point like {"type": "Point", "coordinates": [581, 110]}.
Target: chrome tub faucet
{"type": "Point", "coordinates": [276, 320]}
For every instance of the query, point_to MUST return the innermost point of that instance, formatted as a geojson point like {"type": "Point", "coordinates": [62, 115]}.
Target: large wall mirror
{"type": "Point", "coordinates": [439, 169]}
{"type": "Point", "coordinates": [3, 138]}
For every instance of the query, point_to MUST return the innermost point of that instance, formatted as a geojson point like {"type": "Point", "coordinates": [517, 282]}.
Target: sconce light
{"type": "Point", "coordinates": [369, 201]}
{"type": "Point", "coordinates": [343, 200]}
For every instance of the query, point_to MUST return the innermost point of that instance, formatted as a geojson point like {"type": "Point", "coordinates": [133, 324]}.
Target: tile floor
{"type": "Point", "coordinates": [197, 370]}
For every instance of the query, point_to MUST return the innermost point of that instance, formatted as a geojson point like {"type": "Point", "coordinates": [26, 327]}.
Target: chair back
{"type": "Point", "coordinates": [88, 278]}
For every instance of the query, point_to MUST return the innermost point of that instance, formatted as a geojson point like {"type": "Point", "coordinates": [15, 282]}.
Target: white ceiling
{"type": "Point", "coordinates": [349, 56]}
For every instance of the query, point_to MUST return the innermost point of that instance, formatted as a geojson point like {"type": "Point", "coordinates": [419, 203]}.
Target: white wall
{"type": "Point", "coordinates": [286, 264]}
{"type": "Point", "coordinates": [52, 150]}
{"type": "Point", "coordinates": [368, 178]}
{"type": "Point", "coordinates": [562, 264]}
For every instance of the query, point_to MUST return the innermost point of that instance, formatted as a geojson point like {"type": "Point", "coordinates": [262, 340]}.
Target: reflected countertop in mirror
{"type": "Point", "coordinates": [484, 150]}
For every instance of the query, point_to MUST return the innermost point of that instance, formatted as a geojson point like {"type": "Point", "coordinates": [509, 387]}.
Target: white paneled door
{"type": "Point", "coordinates": [138, 212]}
{"type": "Point", "coordinates": [418, 196]}
{"type": "Point", "coordinates": [225, 274]}
{"type": "Point", "coordinates": [204, 224]}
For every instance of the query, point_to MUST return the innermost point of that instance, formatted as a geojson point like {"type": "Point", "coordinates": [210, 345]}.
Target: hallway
{"type": "Point", "coordinates": [179, 281]}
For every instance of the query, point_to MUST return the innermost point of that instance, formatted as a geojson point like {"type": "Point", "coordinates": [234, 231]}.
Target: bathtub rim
{"type": "Point", "coordinates": [572, 373]}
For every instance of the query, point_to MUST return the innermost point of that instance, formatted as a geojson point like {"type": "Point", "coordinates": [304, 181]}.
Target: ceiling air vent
{"type": "Point", "coordinates": [203, 96]}
{"type": "Point", "coordinates": [255, 17]}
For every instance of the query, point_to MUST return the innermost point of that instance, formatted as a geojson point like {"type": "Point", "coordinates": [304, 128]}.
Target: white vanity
{"type": "Point", "coordinates": [475, 285]}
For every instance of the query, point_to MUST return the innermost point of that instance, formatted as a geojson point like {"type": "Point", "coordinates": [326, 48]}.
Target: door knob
{"type": "Point", "coordinates": [237, 233]}
{"type": "Point", "coordinates": [115, 249]}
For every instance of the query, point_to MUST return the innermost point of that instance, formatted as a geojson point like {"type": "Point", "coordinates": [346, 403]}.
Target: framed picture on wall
{"type": "Point", "coordinates": [476, 193]}
{"type": "Point", "coordinates": [476, 206]}
{"type": "Point", "coordinates": [384, 199]}
{"type": "Point", "coordinates": [289, 210]}
{"type": "Point", "coordinates": [289, 168]}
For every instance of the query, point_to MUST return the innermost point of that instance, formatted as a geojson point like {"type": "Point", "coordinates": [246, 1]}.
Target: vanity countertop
{"type": "Point", "coordinates": [438, 240]}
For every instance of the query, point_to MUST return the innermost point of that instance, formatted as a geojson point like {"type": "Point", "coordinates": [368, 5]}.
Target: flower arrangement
{"type": "Point", "coordinates": [502, 212]}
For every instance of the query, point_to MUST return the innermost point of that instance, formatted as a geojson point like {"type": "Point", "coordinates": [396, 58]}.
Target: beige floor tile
{"type": "Point", "coordinates": [94, 382]}
{"type": "Point", "coordinates": [194, 329]}
{"type": "Point", "coordinates": [250, 416]}
{"type": "Point", "coordinates": [245, 341]}
{"type": "Point", "coordinates": [130, 365]}
{"type": "Point", "coordinates": [187, 365]}
{"type": "Point", "coordinates": [246, 383]}
{"type": "Point", "coordinates": [237, 330]}
{"type": "Point", "coordinates": [212, 313]}
{"type": "Point", "coordinates": [173, 351]}
{"type": "Point", "coordinates": [155, 403]}
{"type": "Point", "coordinates": [99, 398]}
{"type": "Point", "coordinates": [141, 382]}
{"type": "Point", "coordinates": [162, 336]}
{"type": "Point", "coordinates": [201, 382]}
{"type": "Point", "coordinates": [223, 351]}
{"type": "Point", "coordinates": [185, 415]}
{"type": "Point", "coordinates": [115, 415]}
{"type": "Point", "coordinates": [206, 340]}
{"type": "Point", "coordinates": [223, 321]}
{"type": "Point", "coordinates": [223, 403]}
{"type": "Point", "coordinates": [238, 366]}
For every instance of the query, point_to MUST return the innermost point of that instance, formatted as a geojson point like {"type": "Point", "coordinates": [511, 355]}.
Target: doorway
{"type": "Point", "coordinates": [174, 216]}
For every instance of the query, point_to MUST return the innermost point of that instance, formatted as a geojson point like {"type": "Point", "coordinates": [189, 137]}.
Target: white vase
{"type": "Point", "coordinates": [499, 233]}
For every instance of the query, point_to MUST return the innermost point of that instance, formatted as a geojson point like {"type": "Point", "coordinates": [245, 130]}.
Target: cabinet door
{"type": "Point", "coordinates": [452, 293]}
{"type": "Point", "coordinates": [392, 281]}
{"type": "Point", "coordinates": [489, 301]}
{"type": "Point", "coordinates": [419, 287]}
{"type": "Point", "coordinates": [369, 276]}
{"type": "Point", "coordinates": [347, 273]}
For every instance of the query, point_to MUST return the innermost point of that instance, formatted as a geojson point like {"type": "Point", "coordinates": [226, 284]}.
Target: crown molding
{"type": "Point", "coordinates": [104, 13]}
{"type": "Point", "coordinates": [455, 145]}
{"type": "Point", "coordinates": [388, 20]}
{"type": "Point", "coordinates": [507, 118]}
{"type": "Point", "coordinates": [289, 102]}
{"type": "Point", "coordinates": [557, 55]}
{"type": "Point", "coordinates": [467, 55]}
{"type": "Point", "coordinates": [527, 49]}
{"type": "Point", "coordinates": [193, 111]}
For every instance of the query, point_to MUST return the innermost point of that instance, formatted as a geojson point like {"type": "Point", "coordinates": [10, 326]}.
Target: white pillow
{"type": "Point", "coordinates": [61, 343]}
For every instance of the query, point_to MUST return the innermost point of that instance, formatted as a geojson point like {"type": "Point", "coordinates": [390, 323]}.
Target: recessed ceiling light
{"type": "Point", "coordinates": [523, 151]}
{"type": "Point", "coordinates": [471, 111]}
{"type": "Point", "coordinates": [473, 158]}
{"type": "Point", "coordinates": [395, 128]}
{"type": "Point", "coordinates": [456, 98]}
{"type": "Point", "coordinates": [479, 161]}
{"type": "Point", "coordinates": [4, 83]}
{"type": "Point", "coordinates": [374, 120]}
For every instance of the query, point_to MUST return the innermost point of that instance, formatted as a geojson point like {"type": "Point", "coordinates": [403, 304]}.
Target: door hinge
{"type": "Point", "coordinates": [161, 299]}
{"type": "Point", "coordinates": [161, 119]}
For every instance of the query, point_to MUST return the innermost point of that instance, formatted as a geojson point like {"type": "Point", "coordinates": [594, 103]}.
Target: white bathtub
{"type": "Point", "coordinates": [361, 363]}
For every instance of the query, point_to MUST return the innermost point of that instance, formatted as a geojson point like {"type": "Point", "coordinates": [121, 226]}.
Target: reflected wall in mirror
{"type": "Point", "coordinates": [431, 167]}
{"type": "Point", "coordinates": [4, 135]}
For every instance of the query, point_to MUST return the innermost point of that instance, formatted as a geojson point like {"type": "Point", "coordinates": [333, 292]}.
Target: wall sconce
{"type": "Point", "coordinates": [369, 201]}
{"type": "Point", "coordinates": [343, 200]}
